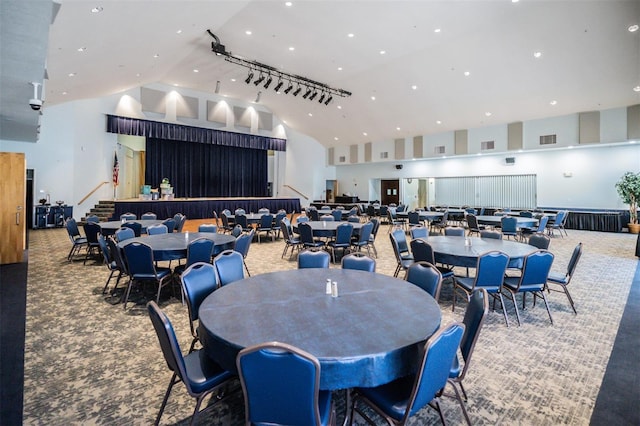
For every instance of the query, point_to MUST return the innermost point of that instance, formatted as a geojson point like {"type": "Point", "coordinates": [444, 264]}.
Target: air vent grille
{"type": "Point", "coordinates": [487, 145]}
{"type": "Point", "coordinates": [439, 149]}
{"type": "Point", "coordinates": [547, 140]}
{"type": "Point", "coordinates": [384, 155]}
{"type": "Point", "coordinates": [342, 159]}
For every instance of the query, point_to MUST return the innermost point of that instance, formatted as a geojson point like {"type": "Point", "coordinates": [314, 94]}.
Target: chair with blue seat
{"type": "Point", "coordinates": [180, 221]}
{"type": "Point", "coordinates": [198, 250]}
{"type": "Point", "coordinates": [302, 219]}
{"type": "Point", "coordinates": [473, 321]}
{"type": "Point", "coordinates": [440, 223]}
{"type": "Point", "coordinates": [290, 241]}
{"type": "Point", "coordinates": [306, 236]}
{"type": "Point", "coordinates": [198, 281]}
{"type": "Point", "coordinates": [563, 280]}
{"type": "Point", "coordinates": [241, 219]}
{"type": "Point", "coordinates": [92, 218]}
{"type": "Point", "coordinates": [275, 226]}
{"type": "Point", "coordinates": [525, 213]}
{"type": "Point", "coordinates": [263, 210]}
{"type": "Point", "coordinates": [281, 385]}
{"type": "Point", "coordinates": [117, 256]}
{"type": "Point", "coordinates": [239, 211]}
{"type": "Point", "coordinates": [490, 272]}
{"type": "Point", "coordinates": [337, 215]}
{"type": "Point", "coordinates": [141, 267]}
{"type": "Point", "coordinates": [472, 225]}
{"type": "Point", "coordinates": [313, 259]}
{"type": "Point", "coordinates": [558, 223]}
{"type": "Point", "coordinates": [414, 219]}
{"type": "Point", "coordinates": [392, 220]}
{"type": "Point", "coordinates": [363, 240]}
{"type": "Point", "coordinates": [236, 231]}
{"type": "Point", "coordinates": [200, 375]}
{"type": "Point", "coordinates": [542, 225]}
{"type": "Point", "coordinates": [128, 216]}
{"type": "Point", "coordinates": [229, 266]}
{"type": "Point", "coordinates": [123, 234]}
{"type": "Point", "coordinates": [149, 216]}
{"type": "Point", "coordinates": [226, 225]}
{"type": "Point", "coordinates": [170, 223]}
{"type": "Point", "coordinates": [342, 240]}
{"type": "Point", "coordinates": [509, 226]}
{"type": "Point", "coordinates": [423, 252]}
{"type": "Point", "coordinates": [426, 276]}
{"type": "Point", "coordinates": [404, 259]}
{"type": "Point", "coordinates": [135, 226]}
{"type": "Point", "coordinates": [454, 231]}
{"type": "Point", "coordinates": [397, 401]}
{"type": "Point", "coordinates": [353, 219]}
{"type": "Point", "coordinates": [313, 214]}
{"type": "Point", "coordinates": [266, 226]}
{"type": "Point", "coordinates": [327, 218]}
{"type": "Point", "coordinates": [535, 273]}
{"type": "Point", "coordinates": [242, 244]}
{"type": "Point", "coordinates": [374, 235]}
{"type": "Point", "coordinates": [108, 260]}
{"type": "Point", "coordinates": [91, 231]}
{"type": "Point", "coordinates": [491, 234]}
{"type": "Point", "coordinates": [540, 241]}
{"type": "Point", "coordinates": [359, 261]}
{"type": "Point", "coordinates": [419, 232]}
{"type": "Point", "coordinates": [157, 229]}
{"type": "Point", "coordinates": [208, 227]}
{"type": "Point", "coordinates": [77, 240]}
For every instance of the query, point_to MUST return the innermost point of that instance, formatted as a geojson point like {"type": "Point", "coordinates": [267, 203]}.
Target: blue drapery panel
{"type": "Point", "coordinates": [203, 170]}
{"type": "Point", "coordinates": [178, 132]}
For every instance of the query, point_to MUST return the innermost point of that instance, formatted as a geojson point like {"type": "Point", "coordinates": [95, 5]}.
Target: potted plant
{"type": "Point", "coordinates": [628, 188]}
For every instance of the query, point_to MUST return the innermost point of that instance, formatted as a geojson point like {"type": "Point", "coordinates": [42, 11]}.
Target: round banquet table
{"type": "Point", "coordinates": [174, 246]}
{"type": "Point", "coordinates": [370, 335]}
{"type": "Point", "coordinates": [424, 215]}
{"type": "Point", "coordinates": [110, 228]}
{"type": "Point", "coordinates": [251, 217]}
{"type": "Point", "coordinates": [497, 220]}
{"type": "Point", "coordinates": [452, 250]}
{"type": "Point", "coordinates": [327, 228]}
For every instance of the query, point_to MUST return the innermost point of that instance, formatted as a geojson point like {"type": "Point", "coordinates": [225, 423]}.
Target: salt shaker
{"type": "Point", "coordinates": [327, 289]}
{"type": "Point", "coordinates": [334, 289]}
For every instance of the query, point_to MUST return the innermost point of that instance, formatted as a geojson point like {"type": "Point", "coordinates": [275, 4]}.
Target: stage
{"type": "Point", "coordinates": [202, 208]}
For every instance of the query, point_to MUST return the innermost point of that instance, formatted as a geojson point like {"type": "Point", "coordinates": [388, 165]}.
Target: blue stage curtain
{"type": "Point", "coordinates": [203, 170]}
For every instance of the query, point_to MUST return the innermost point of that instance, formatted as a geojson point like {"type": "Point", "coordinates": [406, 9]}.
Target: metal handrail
{"type": "Point", "coordinates": [296, 191]}
{"type": "Point", "coordinates": [94, 190]}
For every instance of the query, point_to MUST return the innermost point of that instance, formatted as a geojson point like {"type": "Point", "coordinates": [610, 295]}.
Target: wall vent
{"type": "Point", "coordinates": [438, 149]}
{"type": "Point", "coordinates": [342, 159]}
{"type": "Point", "coordinates": [547, 139]}
{"type": "Point", "coordinates": [487, 145]}
{"type": "Point", "coordinates": [384, 155]}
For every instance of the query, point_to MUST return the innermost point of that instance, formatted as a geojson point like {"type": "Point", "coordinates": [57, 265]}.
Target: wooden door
{"type": "Point", "coordinates": [390, 191]}
{"type": "Point", "coordinates": [12, 209]}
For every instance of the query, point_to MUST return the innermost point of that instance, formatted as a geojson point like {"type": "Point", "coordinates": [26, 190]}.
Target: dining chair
{"type": "Point", "coordinates": [488, 233]}
{"type": "Point", "coordinates": [342, 240]}
{"type": "Point", "coordinates": [77, 240]}
{"type": "Point", "coordinates": [266, 226]}
{"type": "Point", "coordinates": [313, 259]}
{"type": "Point", "coordinates": [229, 266]}
{"type": "Point", "coordinates": [226, 226]}
{"type": "Point", "coordinates": [403, 258]}
{"type": "Point", "coordinates": [92, 218]}
{"type": "Point", "coordinates": [454, 231]}
{"type": "Point", "coordinates": [91, 231]}
{"type": "Point", "coordinates": [423, 252]}
{"type": "Point", "coordinates": [414, 219]}
{"type": "Point", "coordinates": [170, 223]}
{"type": "Point", "coordinates": [128, 216]}
{"type": "Point", "coordinates": [263, 210]}
{"type": "Point", "coordinates": [535, 272]}
{"type": "Point", "coordinates": [198, 250]}
{"type": "Point", "coordinates": [327, 218]}
{"type": "Point", "coordinates": [241, 219]}
{"type": "Point", "coordinates": [200, 375]}
{"type": "Point", "coordinates": [141, 267]}
{"type": "Point", "coordinates": [208, 227]}
{"type": "Point", "coordinates": [540, 241]}
{"type": "Point", "coordinates": [275, 226]}
{"type": "Point", "coordinates": [198, 281]}
{"type": "Point", "coordinates": [108, 260]}
{"type": "Point", "coordinates": [558, 223]}
{"type": "Point", "coordinates": [509, 226]}
{"type": "Point", "coordinates": [542, 225]}
{"type": "Point", "coordinates": [426, 276]}
{"type": "Point", "coordinates": [563, 280]}
{"type": "Point", "coordinates": [157, 229]}
{"type": "Point", "coordinates": [236, 231]}
{"type": "Point", "coordinates": [441, 223]}
{"type": "Point", "coordinates": [490, 272]}
{"type": "Point", "coordinates": [374, 235]}
{"type": "Point", "coordinates": [281, 385]}
{"type": "Point", "coordinates": [472, 225]}
{"type": "Point", "coordinates": [337, 215]}
{"type": "Point", "coordinates": [363, 239]}
{"type": "Point", "coordinates": [397, 401]}
{"type": "Point", "coordinates": [149, 216]}
{"type": "Point", "coordinates": [290, 241]}
{"type": "Point", "coordinates": [313, 215]}
{"type": "Point", "coordinates": [242, 244]}
{"type": "Point", "coordinates": [358, 261]}
{"type": "Point", "coordinates": [135, 226]}
{"type": "Point", "coordinates": [118, 257]}
{"type": "Point", "coordinates": [239, 211]}
{"type": "Point", "coordinates": [419, 232]}
{"type": "Point", "coordinates": [180, 221]}
{"type": "Point", "coordinates": [306, 236]}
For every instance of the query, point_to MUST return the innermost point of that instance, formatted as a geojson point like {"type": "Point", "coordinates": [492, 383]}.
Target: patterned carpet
{"type": "Point", "coordinates": [87, 361]}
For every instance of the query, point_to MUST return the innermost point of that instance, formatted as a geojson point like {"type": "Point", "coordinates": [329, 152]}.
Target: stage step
{"type": "Point", "coordinates": [104, 210]}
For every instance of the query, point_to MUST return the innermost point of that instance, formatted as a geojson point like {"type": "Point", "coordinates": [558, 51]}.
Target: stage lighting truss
{"type": "Point", "coordinates": [312, 88]}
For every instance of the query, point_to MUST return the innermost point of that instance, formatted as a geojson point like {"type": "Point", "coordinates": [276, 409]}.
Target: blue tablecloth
{"type": "Point", "coordinates": [497, 220]}
{"type": "Point", "coordinates": [174, 246]}
{"type": "Point", "coordinates": [109, 228]}
{"type": "Point", "coordinates": [328, 228]}
{"type": "Point", "coordinates": [452, 250]}
{"type": "Point", "coordinates": [369, 335]}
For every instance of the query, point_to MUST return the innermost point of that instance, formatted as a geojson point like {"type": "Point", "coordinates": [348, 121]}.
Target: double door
{"type": "Point", "coordinates": [12, 208]}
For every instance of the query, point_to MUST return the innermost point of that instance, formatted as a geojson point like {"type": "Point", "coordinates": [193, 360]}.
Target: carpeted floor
{"type": "Point", "coordinates": [88, 361]}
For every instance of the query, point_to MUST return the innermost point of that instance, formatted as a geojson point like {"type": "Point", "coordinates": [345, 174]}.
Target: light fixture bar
{"type": "Point", "coordinates": [263, 69]}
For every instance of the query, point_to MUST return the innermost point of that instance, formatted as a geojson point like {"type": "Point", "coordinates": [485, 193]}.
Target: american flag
{"type": "Point", "coordinates": [116, 169]}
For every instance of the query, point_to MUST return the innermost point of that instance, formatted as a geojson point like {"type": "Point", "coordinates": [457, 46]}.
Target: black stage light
{"type": "Point", "coordinates": [306, 94]}
{"type": "Point", "coordinates": [289, 88]}
{"type": "Point", "coordinates": [278, 86]}
{"type": "Point", "coordinates": [268, 82]}
{"type": "Point", "coordinates": [329, 99]}
{"type": "Point", "coordinates": [313, 96]}
{"type": "Point", "coordinates": [321, 98]}
{"type": "Point", "coordinates": [297, 91]}
{"type": "Point", "coordinates": [259, 80]}
{"type": "Point", "coordinates": [249, 77]}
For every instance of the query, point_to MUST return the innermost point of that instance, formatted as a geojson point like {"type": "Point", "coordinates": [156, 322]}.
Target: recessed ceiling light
{"type": "Point", "coordinates": [248, 32]}
{"type": "Point", "coordinates": [310, 115]}
{"type": "Point", "coordinates": [397, 128]}
{"type": "Point", "coordinates": [351, 35]}
{"type": "Point", "coordinates": [138, 74]}
{"type": "Point", "coordinates": [97, 9]}
{"type": "Point", "coordinates": [364, 133]}
{"type": "Point", "coordinates": [373, 98]}
{"type": "Point", "coordinates": [195, 70]}
{"type": "Point", "coordinates": [292, 48]}
{"type": "Point", "coordinates": [438, 122]}
{"type": "Point", "coordinates": [437, 30]}
{"type": "Point", "coordinates": [339, 106]}
{"type": "Point", "coordinates": [335, 138]}
{"type": "Point", "coordinates": [179, 32]}
{"type": "Point", "coordinates": [382, 52]}
{"type": "Point", "coordinates": [554, 102]}
{"type": "Point", "coordinates": [488, 114]}
{"type": "Point", "coordinates": [467, 73]}
{"type": "Point", "coordinates": [339, 68]}
{"type": "Point", "coordinates": [156, 56]}
{"type": "Point", "coordinates": [537, 54]}
{"type": "Point", "coordinates": [72, 74]}
{"type": "Point", "coordinates": [636, 89]}
{"type": "Point", "coordinates": [515, 1]}
{"type": "Point", "coordinates": [233, 79]}
{"type": "Point", "coordinates": [634, 28]}
{"type": "Point", "coordinates": [414, 87]}
{"type": "Point", "coordinates": [81, 49]}
{"type": "Point", "coordinates": [64, 93]}
{"type": "Point", "coordinates": [288, 4]}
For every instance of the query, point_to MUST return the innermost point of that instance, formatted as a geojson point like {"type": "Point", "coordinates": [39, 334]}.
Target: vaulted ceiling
{"type": "Point", "coordinates": [413, 67]}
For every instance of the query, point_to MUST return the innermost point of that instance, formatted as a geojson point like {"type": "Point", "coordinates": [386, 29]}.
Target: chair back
{"type": "Point", "coordinates": [284, 228]}
{"type": "Point", "coordinates": [236, 231]}
{"type": "Point", "coordinates": [343, 234]}
{"type": "Point", "coordinates": [509, 224]}
{"type": "Point", "coordinates": [124, 234]}
{"type": "Point", "coordinates": [359, 261]}
{"type": "Point", "coordinates": [426, 276]}
{"type": "Point", "coordinates": [281, 384]}
{"type": "Point", "coordinates": [241, 220]}
{"type": "Point", "coordinates": [266, 221]}
{"type": "Point", "coordinates": [225, 220]}
{"type": "Point", "coordinates": [454, 231]}
{"type": "Point", "coordinates": [364, 235]}
{"type": "Point", "coordinates": [313, 259]}
{"type": "Point", "coordinates": [472, 223]}
{"type": "Point", "coordinates": [168, 342]}
{"type": "Point", "coordinates": [198, 281]}
{"type": "Point", "coordinates": [199, 250]}
{"type": "Point", "coordinates": [327, 218]}
{"type": "Point", "coordinates": [573, 262]}
{"type": "Point", "coordinates": [487, 233]}
{"type": "Point", "coordinates": [229, 266]}
{"type": "Point", "coordinates": [353, 219]}
{"type": "Point", "coordinates": [371, 210]}
{"type": "Point", "coordinates": [419, 232]}
{"type": "Point", "coordinates": [306, 233]}
{"type": "Point", "coordinates": [139, 258]}
{"type": "Point", "coordinates": [106, 253]}
{"type": "Point", "coordinates": [135, 226]}
{"type": "Point", "coordinates": [414, 218]}
{"type": "Point", "coordinates": [278, 219]}
{"type": "Point", "coordinates": [157, 229]}
{"type": "Point", "coordinates": [117, 256]}
{"type": "Point", "coordinates": [72, 229]}
{"type": "Point", "coordinates": [180, 223]}
{"type": "Point", "coordinates": [490, 270]}
{"type": "Point", "coordinates": [438, 355]}
{"type": "Point", "coordinates": [239, 212]}
{"type": "Point", "coordinates": [401, 239]}
{"type": "Point", "coordinates": [243, 242]}
{"type": "Point", "coordinates": [301, 219]}
{"type": "Point", "coordinates": [542, 224]}
{"type": "Point", "coordinates": [422, 251]}
{"type": "Point", "coordinates": [477, 311]}
{"type": "Point", "coordinates": [149, 216]}
{"type": "Point", "coordinates": [263, 210]}
{"type": "Point", "coordinates": [376, 227]}
{"type": "Point", "coordinates": [170, 224]}
{"type": "Point", "coordinates": [313, 214]}
{"type": "Point", "coordinates": [91, 231]}
{"type": "Point", "coordinates": [128, 216]}
{"type": "Point", "coordinates": [384, 210]}
{"type": "Point", "coordinates": [526, 213]}
{"type": "Point", "coordinates": [535, 270]}
{"type": "Point", "coordinates": [92, 218]}
{"type": "Point", "coordinates": [208, 227]}
{"type": "Point", "coordinates": [337, 215]}
{"type": "Point", "coordinates": [540, 241]}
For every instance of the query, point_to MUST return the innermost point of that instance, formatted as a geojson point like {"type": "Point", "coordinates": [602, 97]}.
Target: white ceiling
{"type": "Point", "coordinates": [590, 60]}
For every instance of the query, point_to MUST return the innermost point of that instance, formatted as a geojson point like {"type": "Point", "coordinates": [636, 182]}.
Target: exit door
{"type": "Point", "coordinates": [390, 191]}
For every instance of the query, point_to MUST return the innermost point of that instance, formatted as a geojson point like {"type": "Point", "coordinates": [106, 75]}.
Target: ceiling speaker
{"type": "Point", "coordinates": [510, 160]}
{"type": "Point", "coordinates": [399, 166]}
